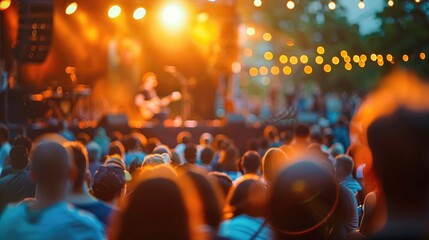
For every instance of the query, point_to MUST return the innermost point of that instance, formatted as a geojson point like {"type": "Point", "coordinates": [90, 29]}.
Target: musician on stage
{"type": "Point", "coordinates": [150, 105]}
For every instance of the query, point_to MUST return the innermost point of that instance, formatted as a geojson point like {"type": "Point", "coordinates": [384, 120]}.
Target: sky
{"type": "Point", "coordinates": [364, 17]}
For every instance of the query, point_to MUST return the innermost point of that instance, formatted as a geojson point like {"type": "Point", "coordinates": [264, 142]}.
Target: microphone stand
{"type": "Point", "coordinates": [186, 102]}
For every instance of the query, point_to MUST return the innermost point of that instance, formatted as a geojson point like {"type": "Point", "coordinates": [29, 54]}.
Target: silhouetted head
{"type": "Point", "coordinates": [248, 197]}
{"type": "Point", "coordinates": [400, 148]}
{"type": "Point", "coordinates": [223, 180]}
{"type": "Point", "coordinates": [24, 141]}
{"type": "Point", "coordinates": [273, 162]}
{"type": "Point", "coordinates": [344, 166]}
{"type": "Point", "coordinates": [50, 165]}
{"type": "Point", "coordinates": [18, 157]}
{"type": "Point", "coordinates": [190, 153]}
{"type": "Point", "coordinates": [251, 162]}
{"type": "Point", "coordinates": [302, 131]}
{"type": "Point", "coordinates": [184, 137]}
{"type": "Point", "coordinates": [207, 155]}
{"type": "Point", "coordinates": [79, 160]}
{"type": "Point", "coordinates": [271, 133]}
{"type": "Point", "coordinates": [228, 161]}
{"type": "Point", "coordinates": [156, 209]}
{"type": "Point", "coordinates": [303, 198]}
{"type": "Point", "coordinates": [116, 147]}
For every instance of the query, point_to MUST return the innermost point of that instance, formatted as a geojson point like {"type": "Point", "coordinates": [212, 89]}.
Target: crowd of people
{"type": "Point", "coordinates": [299, 184]}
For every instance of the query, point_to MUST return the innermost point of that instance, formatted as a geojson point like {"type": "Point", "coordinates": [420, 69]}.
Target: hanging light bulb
{"type": "Point", "coordinates": [417, 1]}
{"type": "Point", "coordinates": [332, 5]}
{"type": "Point", "coordinates": [361, 4]}
{"type": "Point", "coordinates": [390, 3]}
{"type": "Point", "coordinates": [290, 4]}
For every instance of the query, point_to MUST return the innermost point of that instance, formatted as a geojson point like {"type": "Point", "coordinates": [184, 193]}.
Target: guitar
{"type": "Point", "coordinates": [148, 108]}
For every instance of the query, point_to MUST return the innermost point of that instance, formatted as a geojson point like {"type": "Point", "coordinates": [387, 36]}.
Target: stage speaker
{"type": "Point", "coordinates": [36, 23]}
{"type": "Point", "coordinates": [114, 122]}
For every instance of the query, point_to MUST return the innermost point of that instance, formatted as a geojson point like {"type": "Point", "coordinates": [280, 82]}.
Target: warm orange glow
{"type": "Point", "coordinates": [320, 50]}
{"type": "Point", "coordinates": [363, 57]}
{"type": "Point", "coordinates": [290, 42]}
{"type": "Point", "coordinates": [308, 69]}
{"type": "Point", "coordinates": [236, 67]}
{"type": "Point", "coordinates": [139, 13]}
{"type": "Point", "coordinates": [267, 37]}
{"type": "Point", "coordinates": [380, 63]}
{"type": "Point", "coordinates": [373, 57]}
{"type": "Point", "coordinates": [344, 53]}
{"type": "Point", "coordinates": [319, 60]}
{"type": "Point", "coordinates": [253, 72]}
{"type": "Point", "coordinates": [327, 68]}
{"type": "Point", "coordinates": [356, 58]}
{"type": "Point", "coordinates": [173, 16]}
{"type": "Point", "coordinates": [335, 60]}
{"type": "Point", "coordinates": [263, 70]}
{"type": "Point", "coordinates": [422, 56]}
{"type": "Point", "coordinates": [248, 52]}
{"type": "Point", "coordinates": [202, 17]}
{"type": "Point", "coordinates": [293, 60]}
{"type": "Point", "coordinates": [275, 70]}
{"type": "Point", "coordinates": [389, 57]}
{"type": "Point", "coordinates": [268, 56]}
{"type": "Point", "coordinates": [290, 4]}
{"type": "Point", "coordinates": [347, 59]}
{"type": "Point", "coordinates": [5, 4]}
{"type": "Point", "coordinates": [304, 59]}
{"type": "Point", "coordinates": [283, 59]}
{"type": "Point", "coordinates": [379, 57]}
{"type": "Point", "coordinates": [361, 64]}
{"type": "Point", "coordinates": [250, 31]}
{"type": "Point", "coordinates": [332, 5]}
{"type": "Point", "coordinates": [70, 9]}
{"type": "Point", "coordinates": [287, 70]}
{"type": "Point", "coordinates": [390, 3]}
{"type": "Point", "coordinates": [114, 11]}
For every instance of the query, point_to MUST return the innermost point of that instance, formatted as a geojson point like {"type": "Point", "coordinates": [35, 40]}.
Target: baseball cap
{"type": "Point", "coordinates": [116, 161]}
{"type": "Point", "coordinates": [108, 179]}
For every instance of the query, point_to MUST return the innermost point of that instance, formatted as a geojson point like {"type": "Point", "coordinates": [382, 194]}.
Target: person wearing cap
{"type": "Point", "coordinates": [109, 183]}
{"type": "Point", "coordinates": [116, 161]}
{"type": "Point", "coordinates": [79, 195]}
{"type": "Point", "coordinates": [49, 216]}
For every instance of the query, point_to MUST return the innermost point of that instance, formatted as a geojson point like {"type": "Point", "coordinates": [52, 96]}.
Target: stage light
{"type": "Point", "coordinates": [304, 59]}
{"type": "Point", "coordinates": [319, 60]}
{"type": "Point", "coordinates": [379, 57]}
{"type": "Point", "coordinates": [335, 60]}
{"type": "Point", "coordinates": [287, 70]}
{"type": "Point", "coordinates": [290, 4]}
{"type": "Point", "coordinates": [173, 15]}
{"type": "Point", "coordinates": [308, 69]}
{"type": "Point", "coordinates": [373, 57]}
{"type": "Point", "coordinates": [327, 68]}
{"type": "Point", "coordinates": [405, 57]}
{"type": "Point", "coordinates": [417, 1]}
{"type": "Point", "coordinates": [268, 56]}
{"type": "Point", "coordinates": [389, 57]}
{"type": "Point", "coordinates": [363, 58]}
{"type": "Point", "coordinates": [114, 11]}
{"type": "Point", "coordinates": [257, 3]}
{"type": "Point", "coordinates": [320, 50]}
{"type": "Point", "coordinates": [250, 31]}
{"type": "Point", "coordinates": [293, 60]}
{"type": "Point", "coordinates": [139, 13]}
{"type": "Point", "coordinates": [71, 8]}
{"type": "Point", "coordinates": [422, 56]}
{"type": "Point", "coordinates": [267, 37]}
{"type": "Point", "coordinates": [283, 59]}
{"type": "Point", "coordinates": [5, 4]}
{"type": "Point", "coordinates": [332, 5]}
{"type": "Point", "coordinates": [202, 17]}
{"type": "Point", "coordinates": [361, 4]}
{"type": "Point", "coordinates": [380, 63]}
{"type": "Point", "coordinates": [390, 3]}
{"type": "Point", "coordinates": [361, 64]}
{"type": "Point", "coordinates": [343, 53]}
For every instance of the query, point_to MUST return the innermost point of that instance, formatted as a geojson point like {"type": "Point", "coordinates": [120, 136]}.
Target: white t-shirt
{"type": "Point", "coordinates": [59, 221]}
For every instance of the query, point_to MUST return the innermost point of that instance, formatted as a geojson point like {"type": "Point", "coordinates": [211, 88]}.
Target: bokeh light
{"type": "Point", "coordinates": [268, 56]}
{"type": "Point", "coordinates": [248, 52]}
{"type": "Point", "coordinates": [253, 72]}
{"type": "Point", "coordinates": [173, 15]}
{"type": "Point", "coordinates": [327, 68]}
{"type": "Point", "coordinates": [250, 31]}
{"type": "Point", "coordinates": [308, 69]}
{"type": "Point", "coordinates": [319, 59]}
{"type": "Point", "coordinates": [257, 3]}
{"type": "Point", "coordinates": [5, 4]}
{"type": "Point", "coordinates": [263, 70]}
{"type": "Point", "coordinates": [70, 9]}
{"type": "Point", "coordinates": [114, 11]}
{"type": "Point", "coordinates": [275, 70]}
{"type": "Point", "coordinates": [290, 4]}
{"type": "Point", "coordinates": [267, 37]}
{"type": "Point", "coordinates": [287, 70]}
{"type": "Point", "coordinates": [304, 59]}
{"type": "Point", "coordinates": [283, 59]}
{"type": "Point", "coordinates": [139, 13]}
{"type": "Point", "coordinates": [405, 57]}
{"type": "Point", "coordinates": [348, 66]}
{"type": "Point", "coordinates": [335, 60]}
{"type": "Point", "coordinates": [320, 50]}
{"type": "Point", "coordinates": [293, 60]}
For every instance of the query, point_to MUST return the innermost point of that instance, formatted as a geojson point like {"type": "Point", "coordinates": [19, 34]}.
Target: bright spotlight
{"type": "Point", "coordinates": [202, 17]}
{"type": "Point", "coordinates": [290, 4]}
{"type": "Point", "coordinates": [4, 4]}
{"type": "Point", "coordinates": [173, 15]}
{"type": "Point", "coordinates": [332, 5]}
{"type": "Point", "coordinates": [71, 8]}
{"type": "Point", "coordinates": [114, 11]}
{"type": "Point", "coordinates": [361, 4]}
{"type": "Point", "coordinates": [139, 13]}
